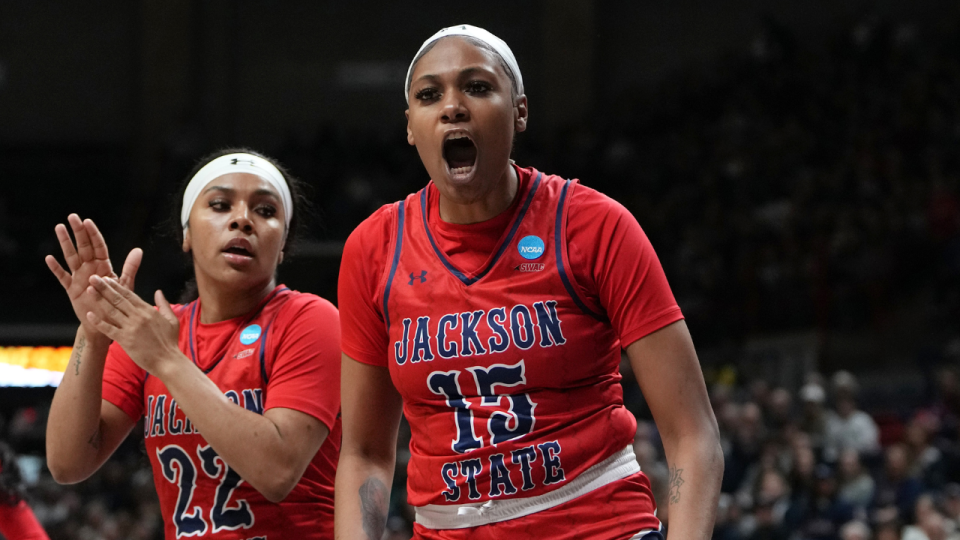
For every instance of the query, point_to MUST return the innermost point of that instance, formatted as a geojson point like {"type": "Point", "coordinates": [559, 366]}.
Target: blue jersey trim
{"type": "Point", "coordinates": [506, 242]}
{"type": "Point", "coordinates": [394, 264]}
{"type": "Point", "coordinates": [240, 328]}
{"type": "Point", "coordinates": [263, 349]}
{"type": "Point", "coordinates": [193, 315]}
{"type": "Point", "coordinates": [558, 239]}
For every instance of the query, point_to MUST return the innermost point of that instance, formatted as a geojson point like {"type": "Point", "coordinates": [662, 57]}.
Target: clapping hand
{"type": "Point", "coordinates": [89, 258]}
{"type": "Point", "coordinates": [149, 335]}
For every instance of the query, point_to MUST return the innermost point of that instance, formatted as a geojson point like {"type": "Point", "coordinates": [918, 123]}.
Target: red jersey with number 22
{"type": "Point", "coordinates": [200, 495]}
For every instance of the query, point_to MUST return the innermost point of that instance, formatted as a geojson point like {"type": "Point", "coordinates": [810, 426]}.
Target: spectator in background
{"type": "Point", "coordinates": [927, 461]}
{"type": "Point", "coordinates": [855, 530]}
{"type": "Point", "coordinates": [856, 485]}
{"type": "Point", "coordinates": [813, 416]}
{"type": "Point", "coordinates": [17, 521]}
{"type": "Point", "coordinates": [818, 515]}
{"type": "Point", "coordinates": [848, 427]}
{"type": "Point", "coordinates": [896, 486]}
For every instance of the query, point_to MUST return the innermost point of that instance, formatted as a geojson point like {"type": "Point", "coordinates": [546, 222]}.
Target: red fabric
{"type": "Point", "coordinates": [305, 375]}
{"type": "Point", "coordinates": [612, 262]}
{"type": "Point", "coordinates": [285, 353]}
{"type": "Point", "coordinates": [17, 522]}
{"type": "Point", "coordinates": [618, 510]}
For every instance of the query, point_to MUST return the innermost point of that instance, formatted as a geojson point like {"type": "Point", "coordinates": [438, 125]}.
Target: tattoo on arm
{"type": "Point", "coordinates": [77, 351]}
{"type": "Point", "coordinates": [373, 507]}
{"type": "Point", "coordinates": [676, 480]}
{"type": "Point", "coordinates": [95, 439]}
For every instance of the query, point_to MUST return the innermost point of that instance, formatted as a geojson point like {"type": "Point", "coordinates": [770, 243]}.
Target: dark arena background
{"type": "Point", "coordinates": [795, 164]}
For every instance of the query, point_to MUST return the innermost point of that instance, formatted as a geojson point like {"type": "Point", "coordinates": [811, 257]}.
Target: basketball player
{"type": "Point", "coordinates": [492, 307]}
{"type": "Point", "coordinates": [238, 389]}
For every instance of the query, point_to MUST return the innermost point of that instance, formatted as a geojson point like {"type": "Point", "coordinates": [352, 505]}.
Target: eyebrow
{"type": "Point", "coordinates": [231, 191]}
{"type": "Point", "coordinates": [465, 72]}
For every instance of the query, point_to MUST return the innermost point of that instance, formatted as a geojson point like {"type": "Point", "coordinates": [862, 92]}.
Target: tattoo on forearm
{"type": "Point", "coordinates": [676, 480]}
{"type": "Point", "coordinates": [373, 507]}
{"type": "Point", "coordinates": [77, 351]}
{"type": "Point", "coordinates": [95, 439]}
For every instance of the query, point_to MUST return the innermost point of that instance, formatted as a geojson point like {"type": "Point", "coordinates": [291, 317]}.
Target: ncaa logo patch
{"type": "Point", "coordinates": [250, 334]}
{"type": "Point", "coordinates": [530, 247]}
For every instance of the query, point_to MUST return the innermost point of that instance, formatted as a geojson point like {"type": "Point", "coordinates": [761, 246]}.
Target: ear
{"type": "Point", "coordinates": [410, 139]}
{"type": "Point", "coordinates": [520, 114]}
{"type": "Point", "coordinates": [280, 261]}
{"type": "Point", "coordinates": [186, 240]}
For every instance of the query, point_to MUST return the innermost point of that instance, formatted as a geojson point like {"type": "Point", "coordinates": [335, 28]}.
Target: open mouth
{"type": "Point", "coordinates": [237, 250]}
{"type": "Point", "coordinates": [460, 153]}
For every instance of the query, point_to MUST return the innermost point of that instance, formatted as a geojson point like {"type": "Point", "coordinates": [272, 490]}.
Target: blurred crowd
{"type": "Point", "coordinates": [790, 187]}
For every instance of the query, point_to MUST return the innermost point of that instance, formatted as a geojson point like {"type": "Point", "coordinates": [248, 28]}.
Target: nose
{"type": "Point", "coordinates": [240, 220]}
{"type": "Point", "coordinates": [453, 109]}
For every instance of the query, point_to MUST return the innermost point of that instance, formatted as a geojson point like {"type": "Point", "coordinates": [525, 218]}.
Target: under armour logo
{"type": "Point", "coordinates": [234, 161]}
{"type": "Point", "coordinates": [422, 277]}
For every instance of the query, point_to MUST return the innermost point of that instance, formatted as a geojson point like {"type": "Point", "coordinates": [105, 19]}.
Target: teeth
{"type": "Point", "coordinates": [462, 170]}
{"type": "Point", "coordinates": [456, 136]}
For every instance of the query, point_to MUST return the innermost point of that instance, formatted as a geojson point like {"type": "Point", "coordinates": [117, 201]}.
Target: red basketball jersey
{"type": "Point", "coordinates": [200, 495]}
{"type": "Point", "coordinates": [509, 377]}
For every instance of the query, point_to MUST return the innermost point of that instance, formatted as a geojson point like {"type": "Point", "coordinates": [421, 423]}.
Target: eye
{"type": "Point", "coordinates": [267, 210]}
{"type": "Point", "coordinates": [427, 94]}
{"type": "Point", "coordinates": [478, 87]}
{"type": "Point", "coordinates": [219, 205]}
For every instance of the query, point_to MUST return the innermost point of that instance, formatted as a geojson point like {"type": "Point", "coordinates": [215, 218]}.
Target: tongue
{"type": "Point", "coordinates": [461, 154]}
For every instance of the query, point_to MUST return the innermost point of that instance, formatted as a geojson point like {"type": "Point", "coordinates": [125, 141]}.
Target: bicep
{"type": "Point", "coordinates": [115, 425]}
{"type": "Point", "coordinates": [371, 410]}
{"type": "Point", "coordinates": [668, 371]}
{"type": "Point", "coordinates": [302, 434]}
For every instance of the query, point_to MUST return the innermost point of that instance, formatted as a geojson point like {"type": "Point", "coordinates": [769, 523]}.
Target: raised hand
{"type": "Point", "coordinates": [89, 258]}
{"type": "Point", "coordinates": [148, 335]}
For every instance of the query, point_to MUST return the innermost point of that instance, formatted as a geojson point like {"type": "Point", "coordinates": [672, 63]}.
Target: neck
{"type": "Point", "coordinates": [220, 303]}
{"type": "Point", "coordinates": [486, 205]}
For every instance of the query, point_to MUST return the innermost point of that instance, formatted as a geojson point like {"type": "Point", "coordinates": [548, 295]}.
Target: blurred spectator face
{"type": "Point", "coordinates": [897, 462]}
{"type": "Point", "coordinates": [952, 501]}
{"type": "Point", "coordinates": [780, 403]}
{"type": "Point", "coordinates": [855, 530]}
{"type": "Point", "coordinates": [924, 506]}
{"type": "Point", "coordinates": [846, 406]}
{"type": "Point", "coordinates": [849, 464]}
{"type": "Point", "coordinates": [772, 485]}
{"type": "Point", "coordinates": [933, 525]}
{"type": "Point", "coordinates": [888, 531]}
{"type": "Point", "coordinates": [826, 482]}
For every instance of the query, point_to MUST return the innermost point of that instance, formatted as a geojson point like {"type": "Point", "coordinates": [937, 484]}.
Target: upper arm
{"type": "Point", "coordinates": [366, 254]}
{"type": "Point", "coordinates": [665, 363]}
{"type": "Point", "coordinates": [371, 411]}
{"type": "Point", "coordinates": [614, 262]}
{"type": "Point", "coordinates": [304, 375]}
{"type": "Point", "coordinates": [115, 425]}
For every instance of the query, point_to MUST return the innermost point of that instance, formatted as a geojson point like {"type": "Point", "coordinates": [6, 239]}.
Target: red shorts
{"type": "Point", "coordinates": [616, 511]}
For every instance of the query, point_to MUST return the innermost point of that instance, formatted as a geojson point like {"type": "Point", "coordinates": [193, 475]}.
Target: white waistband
{"type": "Point", "coordinates": [453, 516]}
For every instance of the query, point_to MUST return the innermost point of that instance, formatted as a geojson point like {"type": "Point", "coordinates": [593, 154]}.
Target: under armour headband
{"type": "Point", "coordinates": [236, 163]}
{"type": "Point", "coordinates": [497, 44]}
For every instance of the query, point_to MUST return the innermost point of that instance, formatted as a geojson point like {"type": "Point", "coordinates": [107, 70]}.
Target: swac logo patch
{"type": "Point", "coordinates": [530, 247]}
{"type": "Point", "coordinates": [250, 334]}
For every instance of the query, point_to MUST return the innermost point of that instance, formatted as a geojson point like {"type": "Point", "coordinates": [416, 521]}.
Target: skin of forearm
{"type": "Point", "coordinates": [74, 449]}
{"type": "Point", "coordinates": [249, 443]}
{"type": "Point", "coordinates": [362, 496]}
{"type": "Point", "coordinates": [696, 469]}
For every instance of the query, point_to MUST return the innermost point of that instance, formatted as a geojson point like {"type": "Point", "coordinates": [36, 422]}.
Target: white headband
{"type": "Point", "coordinates": [235, 163]}
{"type": "Point", "coordinates": [474, 32]}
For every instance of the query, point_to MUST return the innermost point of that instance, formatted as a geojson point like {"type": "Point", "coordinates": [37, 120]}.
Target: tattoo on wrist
{"type": "Point", "coordinates": [373, 507]}
{"type": "Point", "coordinates": [676, 480]}
{"type": "Point", "coordinates": [95, 439]}
{"type": "Point", "coordinates": [77, 351]}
